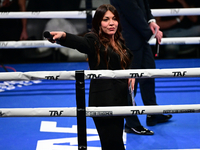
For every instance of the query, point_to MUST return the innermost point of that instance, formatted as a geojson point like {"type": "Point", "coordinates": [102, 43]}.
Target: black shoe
{"type": "Point", "coordinates": [138, 130]}
{"type": "Point", "coordinates": [152, 120]}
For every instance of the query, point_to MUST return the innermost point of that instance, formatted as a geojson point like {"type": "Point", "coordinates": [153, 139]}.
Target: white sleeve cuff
{"type": "Point", "coordinates": [152, 20]}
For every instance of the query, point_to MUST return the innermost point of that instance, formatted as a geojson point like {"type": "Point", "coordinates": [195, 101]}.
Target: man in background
{"type": "Point", "coordinates": [138, 26]}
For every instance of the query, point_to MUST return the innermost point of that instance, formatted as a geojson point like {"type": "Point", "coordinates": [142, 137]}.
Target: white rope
{"type": "Point", "coordinates": [177, 41]}
{"type": "Point", "coordinates": [99, 111]}
{"type": "Point", "coordinates": [27, 44]}
{"type": "Point", "coordinates": [176, 12]}
{"type": "Point", "coordinates": [49, 75]}
{"type": "Point", "coordinates": [82, 14]}
{"type": "Point", "coordinates": [44, 14]}
{"type": "Point", "coordinates": [102, 74]}
{"type": "Point", "coordinates": [45, 43]}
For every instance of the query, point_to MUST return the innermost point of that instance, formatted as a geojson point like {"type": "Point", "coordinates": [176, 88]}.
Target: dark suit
{"type": "Point", "coordinates": [134, 17]}
{"type": "Point", "coordinates": [108, 92]}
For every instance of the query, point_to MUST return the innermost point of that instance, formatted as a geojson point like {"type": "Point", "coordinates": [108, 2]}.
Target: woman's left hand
{"type": "Point", "coordinates": [131, 81]}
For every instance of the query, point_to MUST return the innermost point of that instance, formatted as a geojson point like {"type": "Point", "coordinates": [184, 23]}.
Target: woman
{"type": "Point", "coordinates": [105, 48]}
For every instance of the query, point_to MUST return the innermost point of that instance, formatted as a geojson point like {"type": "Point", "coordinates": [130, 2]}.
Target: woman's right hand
{"type": "Point", "coordinates": [57, 35]}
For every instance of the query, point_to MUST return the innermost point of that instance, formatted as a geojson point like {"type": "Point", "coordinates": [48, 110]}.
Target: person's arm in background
{"type": "Point", "coordinates": [194, 19]}
{"type": "Point", "coordinates": [22, 5]}
{"type": "Point", "coordinates": [166, 24]}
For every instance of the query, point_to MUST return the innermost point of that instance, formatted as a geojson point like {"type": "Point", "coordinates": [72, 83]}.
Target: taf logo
{"type": "Point", "coordinates": [93, 76]}
{"type": "Point", "coordinates": [35, 13]}
{"type": "Point", "coordinates": [3, 44]}
{"type": "Point", "coordinates": [136, 75]}
{"type": "Point", "coordinates": [4, 13]}
{"type": "Point", "coordinates": [135, 112]}
{"type": "Point", "coordinates": [179, 74]}
{"type": "Point", "coordinates": [175, 11]}
{"type": "Point", "coordinates": [56, 113]}
{"type": "Point", "coordinates": [52, 77]}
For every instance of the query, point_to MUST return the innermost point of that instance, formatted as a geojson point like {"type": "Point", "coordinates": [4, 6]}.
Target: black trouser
{"type": "Point", "coordinates": [143, 59]}
{"type": "Point", "coordinates": [132, 121]}
{"type": "Point", "coordinates": [110, 130]}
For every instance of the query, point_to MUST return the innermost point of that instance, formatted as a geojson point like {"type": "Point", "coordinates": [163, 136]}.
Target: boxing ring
{"type": "Point", "coordinates": [81, 112]}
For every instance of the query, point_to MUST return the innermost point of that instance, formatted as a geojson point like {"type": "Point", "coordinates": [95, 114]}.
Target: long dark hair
{"type": "Point", "coordinates": [103, 37]}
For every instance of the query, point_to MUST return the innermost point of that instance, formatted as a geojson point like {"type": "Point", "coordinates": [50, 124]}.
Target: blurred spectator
{"type": "Point", "coordinates": [36, 27]}
{"type": "Point", "coordinates": [12, 29]}
{"type": "Point", "coordinates": [177, 26]}
{"type": "Point", "coordinates": [53, 5]}
{"type": "Point", "coordinates": [15, 26]}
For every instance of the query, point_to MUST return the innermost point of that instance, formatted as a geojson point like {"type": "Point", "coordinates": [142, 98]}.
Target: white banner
{"type": "Point", "coordinates": [102, 74]}
{"type": "Point", "coordinates": [99, 111]}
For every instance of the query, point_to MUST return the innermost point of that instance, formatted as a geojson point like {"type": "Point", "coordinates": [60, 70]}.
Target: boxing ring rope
{"type": "Point", "coordinates": [82, 14]}
{"type": "Point", "coordinates": [102, 74]}
{"type": "Point", "coordinates": [99, 74]}
{"type": "Point", "coordinates": [99, 111]}
{"type": "Point", "coordinates": [45, 43]}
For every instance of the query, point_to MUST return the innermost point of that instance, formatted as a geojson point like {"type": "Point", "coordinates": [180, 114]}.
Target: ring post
{"type": "Point", "coordinates": [81, 112]}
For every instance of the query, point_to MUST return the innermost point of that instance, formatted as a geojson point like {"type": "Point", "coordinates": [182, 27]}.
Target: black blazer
{"type": "Point", "coordinates": [134, 17]}
{"type": "Point", "coordinates": [103, 92]}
